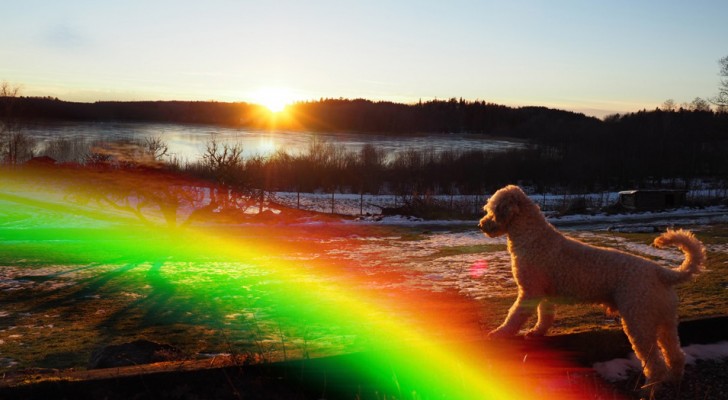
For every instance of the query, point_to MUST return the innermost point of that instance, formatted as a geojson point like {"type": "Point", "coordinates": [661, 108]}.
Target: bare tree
{"type": "Point", "coordinates": [127, 153]}
{"type": "Point", "coordinates": [154, 195]}
{"type": "Point", "coordinates": [8, 95]}
{"type": "Point", "coordinates": [15, 146]}
{"type": "Point", "coordinates": [18, 147]}
{"type": "Point", "coordinates": [232, 191]}
{"type": "Point", "coordinates": [64, 149]}
{"type": "Point", "coordinates": [669, 105]}
{"type": "Point", "coordinates": [722, 98]}
{"type": "Point", "coordinates": [371, 163]}
{"type": "Point", "coordinates": [699, 104]}
{"type": "Point", "coordinates": [223, 159]}
{"type": "Point", "coordinates": [155, 147]}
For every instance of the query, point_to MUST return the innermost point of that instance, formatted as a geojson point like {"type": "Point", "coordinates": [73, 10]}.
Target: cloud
{"type": "Point", "coordinates": [64, 37]}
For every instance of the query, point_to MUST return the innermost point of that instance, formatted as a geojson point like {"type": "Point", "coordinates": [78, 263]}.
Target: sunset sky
{"type": "Point", "coordinates": [588, 56]}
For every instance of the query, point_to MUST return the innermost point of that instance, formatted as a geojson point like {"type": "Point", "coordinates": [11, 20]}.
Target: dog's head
{"type": "Point", "coordinates": [501, 209]}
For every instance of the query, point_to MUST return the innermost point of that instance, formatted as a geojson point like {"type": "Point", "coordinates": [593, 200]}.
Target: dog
{"type": "Point", "coordinates": [550, 268]}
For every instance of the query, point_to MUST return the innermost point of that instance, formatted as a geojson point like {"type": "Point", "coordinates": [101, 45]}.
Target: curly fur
{"type": "Point", "coordinates": [551, 268]}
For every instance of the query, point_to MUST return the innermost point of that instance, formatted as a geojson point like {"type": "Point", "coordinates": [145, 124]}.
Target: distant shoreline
{"type": "Point", "coordinates": [325, 115]}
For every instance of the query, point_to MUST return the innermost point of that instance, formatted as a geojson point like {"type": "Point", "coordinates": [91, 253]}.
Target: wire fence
{"type": "Point", "coordinates": [468, 205]}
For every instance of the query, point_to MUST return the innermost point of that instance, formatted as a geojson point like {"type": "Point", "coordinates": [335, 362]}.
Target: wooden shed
{"type": "Point", "coordinates": [652, 199]}
{"type": "Point", "coordinates": [41, 161]}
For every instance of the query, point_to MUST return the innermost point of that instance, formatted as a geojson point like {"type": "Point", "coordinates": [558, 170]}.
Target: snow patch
{"type": "Point", "coordinates": [6, 362]}
{"type": "Point", "coordinates": [714, 351]}
{"type": "Point", "coordinates": [619, 369]}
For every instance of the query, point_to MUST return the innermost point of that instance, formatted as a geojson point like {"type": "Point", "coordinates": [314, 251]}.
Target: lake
{"type": "Point", "coordinates": [187, 142]}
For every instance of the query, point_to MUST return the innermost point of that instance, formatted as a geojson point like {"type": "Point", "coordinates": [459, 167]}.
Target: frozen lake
{"type": "Point", "coordinates": [187, 142]}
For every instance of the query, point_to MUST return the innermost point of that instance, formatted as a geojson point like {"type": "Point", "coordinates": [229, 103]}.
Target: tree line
{"type": "Point", "coordinates": [325, 115]}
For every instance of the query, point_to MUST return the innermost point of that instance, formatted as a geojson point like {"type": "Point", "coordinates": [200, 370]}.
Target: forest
{"type": "Point", "coordinates": [325, 115]}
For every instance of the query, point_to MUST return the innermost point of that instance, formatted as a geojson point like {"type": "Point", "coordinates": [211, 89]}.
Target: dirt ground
{"type": "Point", "coordinates": [339, 377]}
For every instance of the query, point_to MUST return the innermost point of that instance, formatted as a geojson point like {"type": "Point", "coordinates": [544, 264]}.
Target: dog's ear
{"type": "Point", "coordinates": [507, 208]}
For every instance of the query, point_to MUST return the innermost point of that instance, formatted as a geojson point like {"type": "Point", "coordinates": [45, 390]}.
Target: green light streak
{"type": "Point", "coordinates": [245, 284]}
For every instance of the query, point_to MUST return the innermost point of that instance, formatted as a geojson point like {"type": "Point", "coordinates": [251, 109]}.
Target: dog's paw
{"type": "Point", "coordinates": [534, 334]}
{"type": "Point", "coordinates": [499, 334]}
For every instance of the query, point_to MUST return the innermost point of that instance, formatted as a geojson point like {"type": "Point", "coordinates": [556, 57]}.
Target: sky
{"type": "Point", "coordinates": [595, 57]}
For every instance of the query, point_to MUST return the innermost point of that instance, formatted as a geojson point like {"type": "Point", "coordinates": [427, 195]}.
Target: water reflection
{"type": "Point", "coordinates": [187, 142]}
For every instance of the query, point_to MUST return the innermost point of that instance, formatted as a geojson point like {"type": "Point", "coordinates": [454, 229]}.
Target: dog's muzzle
{"type": "Point", "coordinates": [487, 226]}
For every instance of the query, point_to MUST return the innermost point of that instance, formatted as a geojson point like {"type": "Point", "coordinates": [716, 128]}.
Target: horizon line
{"type": "Point", "coordinates": [597, 113]}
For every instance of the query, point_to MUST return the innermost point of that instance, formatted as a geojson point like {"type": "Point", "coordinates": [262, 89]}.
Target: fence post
{"type": "Point", "coordinates": [262, 199]}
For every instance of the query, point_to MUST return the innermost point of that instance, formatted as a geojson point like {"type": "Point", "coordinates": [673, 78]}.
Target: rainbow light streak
{"type": "Point", "coordinates": [260, 276]}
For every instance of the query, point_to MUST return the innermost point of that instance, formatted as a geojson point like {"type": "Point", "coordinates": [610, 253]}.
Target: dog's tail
{"type": "Point", "coordinates": [694, 255]}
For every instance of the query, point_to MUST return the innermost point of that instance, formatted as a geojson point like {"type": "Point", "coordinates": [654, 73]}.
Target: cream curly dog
{"type": "Point", "coordinates": [551, 268]}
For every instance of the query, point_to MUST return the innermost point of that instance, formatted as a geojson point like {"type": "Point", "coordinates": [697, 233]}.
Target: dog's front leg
{"type": "Point", "coordinates": [519, 313]}
{"type": "Point", "coordinates": [546, 315]}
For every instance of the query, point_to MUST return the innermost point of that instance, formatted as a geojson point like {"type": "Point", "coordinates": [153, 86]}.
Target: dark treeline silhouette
{"type": "Point", "coordinates": [642, 149]}
{"type": "Point", "coordinates": [437, 116]}
{"type": "Point", "coordinates": [199, 112]}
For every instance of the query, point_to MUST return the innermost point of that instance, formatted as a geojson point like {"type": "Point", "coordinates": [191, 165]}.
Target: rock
{"type": "Point", "coordinates": [134, 353]}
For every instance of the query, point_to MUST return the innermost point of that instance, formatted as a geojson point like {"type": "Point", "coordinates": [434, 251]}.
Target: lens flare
{"type": "Point", "coordinates": [149, 233]}
{"type": "Point", "coordinates": [478, 268]}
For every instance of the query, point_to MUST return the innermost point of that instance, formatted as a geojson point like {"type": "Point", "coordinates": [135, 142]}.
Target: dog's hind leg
{"type": "Point", "coordinates": [643, 336]}
{"type": "Point", "coordinates": [546, 315]}
{"type": "Point", "coordinates": [519, 313]}
{"type": "Point", "coordinates": [670, 344]}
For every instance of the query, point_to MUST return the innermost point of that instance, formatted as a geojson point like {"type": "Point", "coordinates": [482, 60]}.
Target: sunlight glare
{"type": "Point", "coordinates": [267, 146]}
{"type": "Point", "coordinates": [274, 99]}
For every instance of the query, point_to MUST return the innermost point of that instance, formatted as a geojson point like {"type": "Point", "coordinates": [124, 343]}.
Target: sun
{"type": "Point", "coordinates": [274, 99]}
